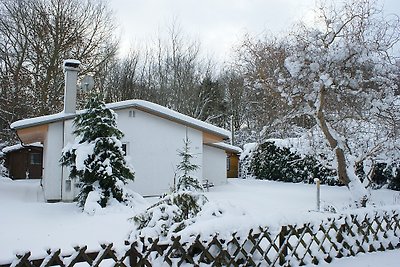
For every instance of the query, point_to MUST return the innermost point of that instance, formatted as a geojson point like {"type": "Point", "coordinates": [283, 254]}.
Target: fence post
{"type": "Point", "coordinates": [283, 251]}
{"type": "Point", "coordinates": [133, 259]}
{"type": "Point", "coordinates": [318, 183]}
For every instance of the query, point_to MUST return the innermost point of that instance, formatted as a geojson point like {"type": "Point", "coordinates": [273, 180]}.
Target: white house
{"type": "Point", "coordinates": [153, 135]}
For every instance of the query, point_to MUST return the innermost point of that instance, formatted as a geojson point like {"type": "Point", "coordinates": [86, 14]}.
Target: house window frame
{"type": "Point", "coordinates": [125, 148]}
{"type": "Point", "coordinates": [35, 158]}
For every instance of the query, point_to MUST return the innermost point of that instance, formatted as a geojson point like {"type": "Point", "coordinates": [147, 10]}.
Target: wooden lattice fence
{"type": "Point", "coordinates": [290, 245]}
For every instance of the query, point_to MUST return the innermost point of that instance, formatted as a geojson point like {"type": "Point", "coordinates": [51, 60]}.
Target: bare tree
{"type": "Point", "coordinates": [268, 111]}
{"type": "Point", "coordinates": [35, 36]}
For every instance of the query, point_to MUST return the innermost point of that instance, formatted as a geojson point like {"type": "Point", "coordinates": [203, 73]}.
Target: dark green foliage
{"type": "Point", "coordinates": [270, 162]}
{"type": "Point", "coordinates": [105, 167]}
{"type": "Point", "coordinates": [394, 182]}
{"type": "Point", "coordinates": [380, 175]}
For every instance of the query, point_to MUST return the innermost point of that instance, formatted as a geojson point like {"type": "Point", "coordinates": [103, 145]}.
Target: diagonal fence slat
{"type": "Point", "coordinates": [289, 245]}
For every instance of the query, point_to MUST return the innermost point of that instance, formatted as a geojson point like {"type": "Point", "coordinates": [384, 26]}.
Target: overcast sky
{"type": "Point", "coordinates": [217, 24]}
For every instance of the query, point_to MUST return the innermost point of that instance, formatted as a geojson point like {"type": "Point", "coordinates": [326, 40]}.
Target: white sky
{"type": "Point", "coordinates": [217, 24]}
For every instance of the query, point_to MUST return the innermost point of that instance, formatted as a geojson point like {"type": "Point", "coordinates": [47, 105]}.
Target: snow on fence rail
{"type": "Point", "coordinates": [290, 245]}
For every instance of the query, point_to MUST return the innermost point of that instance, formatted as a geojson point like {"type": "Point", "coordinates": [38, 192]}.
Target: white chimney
{"type": "Point", "coordinates": [71, 68]}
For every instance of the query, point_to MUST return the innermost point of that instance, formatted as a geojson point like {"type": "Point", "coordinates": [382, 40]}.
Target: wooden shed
{"type": "Point", "coordinates": [24, 162]}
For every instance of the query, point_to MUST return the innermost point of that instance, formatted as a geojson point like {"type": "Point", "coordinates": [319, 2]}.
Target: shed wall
{"type": "Point", "coordinates": [214, 165]}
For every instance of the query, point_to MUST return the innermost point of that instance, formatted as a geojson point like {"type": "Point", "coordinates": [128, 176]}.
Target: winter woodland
{"type": "Point", "coordinates": [324, 100]}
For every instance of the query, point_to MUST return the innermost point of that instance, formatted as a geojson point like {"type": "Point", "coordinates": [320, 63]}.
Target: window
{"type": "Point", "coordinates": [125, 148]}
{"type": "Point", "coordinates": [35, 158]}
{"type": "Point", "coordinates": [228, 163]}
{"type": "Point", "coordinates": [131, 113]}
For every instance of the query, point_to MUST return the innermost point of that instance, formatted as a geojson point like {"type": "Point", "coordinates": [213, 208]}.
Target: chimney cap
{"type": "Point", "coordinates": [71, 64]}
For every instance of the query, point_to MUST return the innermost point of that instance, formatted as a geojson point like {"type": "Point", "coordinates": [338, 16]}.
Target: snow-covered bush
{"type": "Point", "coordinates": [3, 169]}
{"type": "Point", "coordinates": [394, 182]}
{"type": "Point", "coordinates": [169, 215]}
{"type": "Point", "coordinates": [245, 160]}
{"type": "Point", "coordinates": [382, 174]}
{"type": "Point", "coordinates": [96, 157]}
{"type": "Point", "coordinates": [271, 162]}
{"type": "Point", "coordinates": [174, 211]}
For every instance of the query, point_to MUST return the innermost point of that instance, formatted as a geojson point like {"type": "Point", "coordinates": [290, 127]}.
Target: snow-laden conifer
{"type": "Point", "coordinates": [96, 157]}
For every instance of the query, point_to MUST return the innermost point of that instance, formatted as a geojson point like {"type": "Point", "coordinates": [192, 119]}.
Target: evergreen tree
{"type": "Point", "coordinates": [186, 182]}
{"type": "Point", "coordinates": [96, 158]}
{"type": "Point", "coordinates": [175, 210]}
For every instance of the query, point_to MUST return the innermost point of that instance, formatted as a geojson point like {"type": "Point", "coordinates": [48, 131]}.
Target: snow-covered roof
{"type": "Point", "coordinates": [134, 103]}
{"type": "Point", "coordinates": [8, 149]}
{"type": "Point", "coordinates": [226, 147]}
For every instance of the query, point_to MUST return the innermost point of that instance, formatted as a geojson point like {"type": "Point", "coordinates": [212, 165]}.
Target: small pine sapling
{"type": "Point", "coordinates": [96, 158]}
{"type": "Point", "coordinates": [186, 182]}
{"type": "Point", "coordinates": [178, 209]}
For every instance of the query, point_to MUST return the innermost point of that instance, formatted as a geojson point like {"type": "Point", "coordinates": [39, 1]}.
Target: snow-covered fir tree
{"type": "Point", "coordinates": [96, 157]}
{"type": "Point", "coordinates": [187, 182]}
{"type": "Point", "coordinates": [177, 209]}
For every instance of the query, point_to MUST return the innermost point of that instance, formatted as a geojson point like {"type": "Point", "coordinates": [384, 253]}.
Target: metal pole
{"type": "Point", "coordinates": [232, 132]}
{"type": "Point", "coordinates": [318, 182]}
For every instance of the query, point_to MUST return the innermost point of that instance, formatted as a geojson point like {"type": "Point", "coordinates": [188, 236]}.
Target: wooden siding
{"type": "Point", "coordinates": [25, 163]}
{"type": "Point", "coordinates": [33, 134]}
{"type": "Point", "coordinates": [209, 138]}
{"type": "Point", "coordinates": [233, 168]}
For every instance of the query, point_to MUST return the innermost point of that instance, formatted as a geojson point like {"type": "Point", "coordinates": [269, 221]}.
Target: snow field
{"type": "Point", "coordinates": [27, 223]}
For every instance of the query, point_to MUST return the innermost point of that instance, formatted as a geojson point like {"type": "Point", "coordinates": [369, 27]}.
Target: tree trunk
{"type": "Point", "coordinates": [333, 143]}
{"type": "Point", "coordinates": [358, 191]}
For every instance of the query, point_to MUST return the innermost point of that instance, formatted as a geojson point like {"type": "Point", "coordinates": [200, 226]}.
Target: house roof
{"type": "Point", "coordinates": [8, 149]}
{"type": "Point", "coordinates": [226, 147]}
{"type": "Point", "coordinates": [146, 106]}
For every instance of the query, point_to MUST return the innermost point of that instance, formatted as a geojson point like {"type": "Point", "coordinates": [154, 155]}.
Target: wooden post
{"type": "Point", "coordinates": [318, 182]}
{"type": "Point", "coordinates": [132, 255]}
{"type": "Point", "coordinates": [282, 245]}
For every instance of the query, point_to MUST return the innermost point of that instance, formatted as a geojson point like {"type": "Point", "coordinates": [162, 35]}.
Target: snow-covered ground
{"type": "Point", "coordinates": [375, 259]}
{"type": "Point", "coordinates": [28, 223]}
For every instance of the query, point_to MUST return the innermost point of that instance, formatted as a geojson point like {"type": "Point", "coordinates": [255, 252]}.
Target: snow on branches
{"type": "Point", "coordinates": [341, 72]}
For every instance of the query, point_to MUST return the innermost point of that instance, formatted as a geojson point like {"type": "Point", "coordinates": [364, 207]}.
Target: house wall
{"type": "Point", "coordinates": [52, 171]}
{"type": "Point", "coordinates": [214, 165]}
{"type": "Point", "coordinates": [68, 187]}
{"type": "Point", "coordinates": [152, 149]}
{"type": "Point", "coordinates": [153, 144]}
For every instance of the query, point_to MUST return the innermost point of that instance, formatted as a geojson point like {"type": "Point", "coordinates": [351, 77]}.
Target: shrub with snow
{"type": "Point", "coordinates": [383, 174]}
{"type": "Point", "coordinates": [271, 162]}
{"type": "Point", "coordinates": [3, 169]}
{"type": "Point", "coordinates": [169, 215]}
{"type": "Point", "coordinates": [96, 157]}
